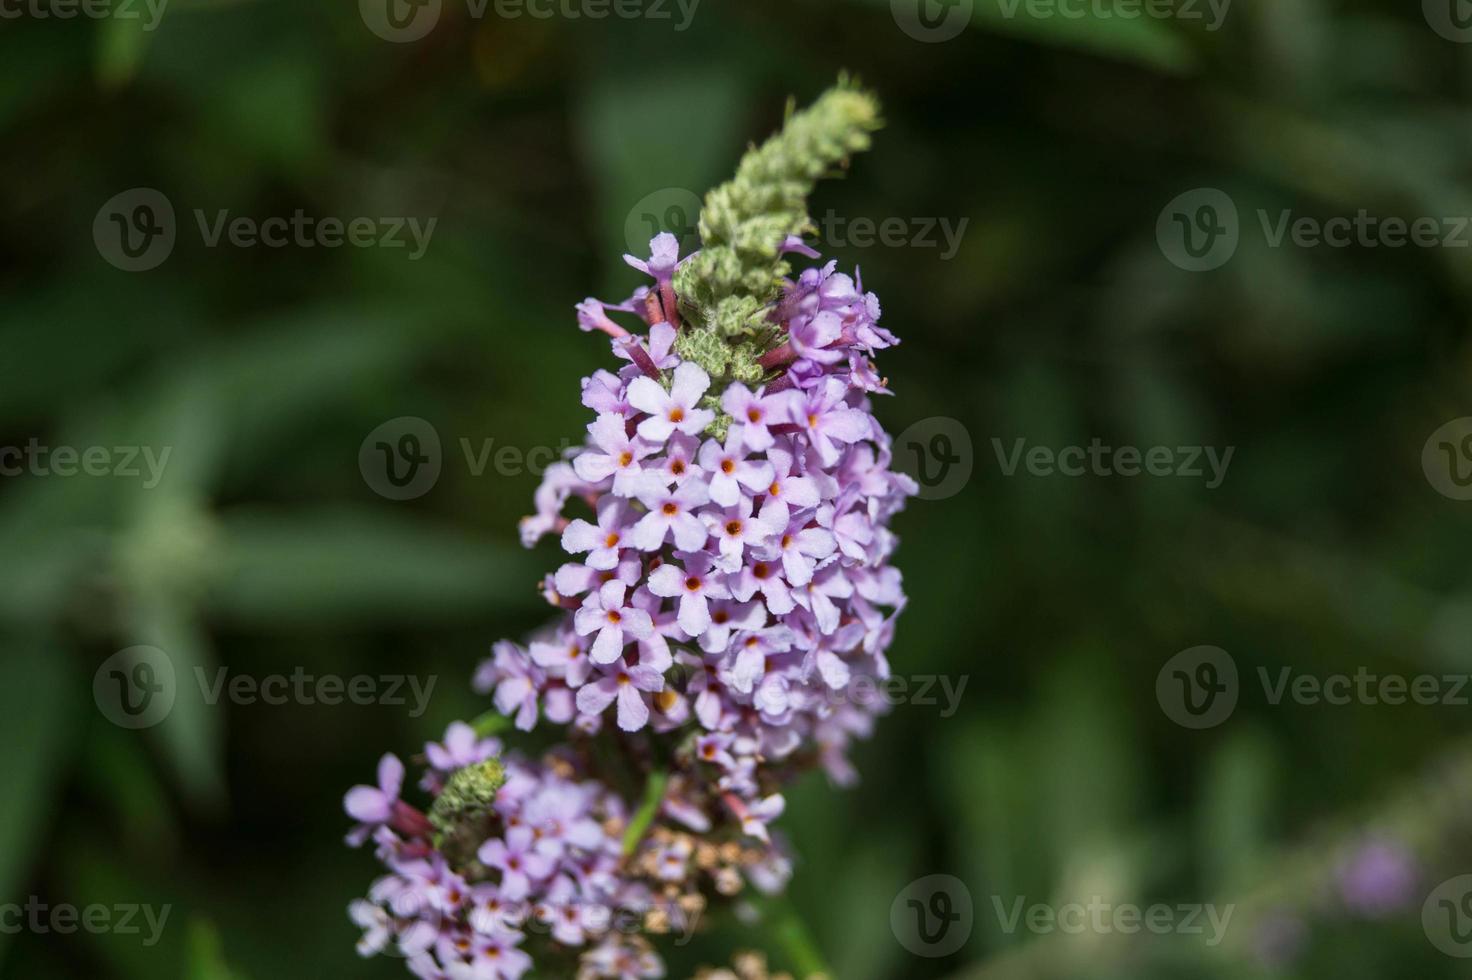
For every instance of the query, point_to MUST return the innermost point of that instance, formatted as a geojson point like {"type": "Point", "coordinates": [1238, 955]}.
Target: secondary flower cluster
{"type": "Point", "coordinates": [729, 586]}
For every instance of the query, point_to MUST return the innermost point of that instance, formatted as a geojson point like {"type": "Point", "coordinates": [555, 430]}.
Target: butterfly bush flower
{"type": "Point", "coordinates": [726, 595]}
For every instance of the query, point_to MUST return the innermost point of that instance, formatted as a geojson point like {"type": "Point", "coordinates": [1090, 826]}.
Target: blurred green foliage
{"type": "Point", "coordinates": [1059, 320]}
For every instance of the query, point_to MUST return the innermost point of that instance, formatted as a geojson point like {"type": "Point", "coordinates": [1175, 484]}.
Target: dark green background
{"type": "Point", "coordinates": [1059, 320]}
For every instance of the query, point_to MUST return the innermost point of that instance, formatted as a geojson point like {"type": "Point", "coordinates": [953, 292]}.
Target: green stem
{"type": "Point", "coordinates": [653, 797]}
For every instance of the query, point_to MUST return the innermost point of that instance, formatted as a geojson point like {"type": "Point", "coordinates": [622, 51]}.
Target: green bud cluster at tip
{"type": "Point", "coordinates": [469, 793]}
{"type": "Point", "coordinates": [726, 289]}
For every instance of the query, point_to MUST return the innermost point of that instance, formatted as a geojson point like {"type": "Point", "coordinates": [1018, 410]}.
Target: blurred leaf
{"type": "Point", "coordinates": [125, 782]}
{"type": "Point", "coordinates": [1236, 803]}
{"type": "Point", "coordinates": [92, 870]}
{"type": "Point", "coordinates": [1144, 41]}
{"type": "Point", "coordinates": [207, 953]}
{"type": "Point", "coordinates": [121, 43]}
{"type": "Point", "coordinates": [36, 721]}
{"type": "Point", "coordinates": [360, 566]}
{"type": "Point", "coordinates": [192, 733]}
{"type": "Point", "coordinates": [675, 163]}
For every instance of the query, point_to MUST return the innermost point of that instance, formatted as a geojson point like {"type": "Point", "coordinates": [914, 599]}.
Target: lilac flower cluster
{"type": "Point", "coordinates": [555, 862]}
{"type": "Point", "coordinates": [729, 586]}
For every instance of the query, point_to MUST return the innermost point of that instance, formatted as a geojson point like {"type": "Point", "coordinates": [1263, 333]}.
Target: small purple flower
{"type": "Point", "coordinates": [1378, 879]}
{"type": "Point", "coordinates": [730, 470]}
{"type": "Point", "coordinates": [678, 465]}
{"type": "Point", "coordinates": [517, 684]}
{"type": "Point", "coordinates": [672, 512]}
{"type": "Point", "coordinates": [592, 316]}
{"type": "Point", "coordinates": [380, 806]}
{"type": "Point", "coordinates": [606, 614]}
{"type": "Point", "coordinates": [696, 583]}
{"type": "Point", "coordinates": [765, 577]}
{"type": "Point", "coordinates": [725, 617]}
{"type": "Point", "coordinates": [736, 530]}
{"type": "Point", "coordinates": [566, 659]}
{"type": "Point", "coordinates": [619, 457]}
{"type": "Point", "coordinates": [811, 337]}
{"type": "Point", "coordinates": [518, 860]}
{"type": "Point", "coordinates": [462, 747]}
{"type": "Point", "coordinates": [817, 596]}
{"type": "Point", "coordinates": [623, 684]}
{"type": "Point", "coordinates": [664, 258]}
{"type": "Point", "coordinates": [603, 540]}
{"type": "Point", "coordinates": [752, 651]}
{"type": "Point", "coordinates": [827, 422]}
{"type": "Point", "coordinates": [800, 548]}
{"type": "Point", "coordinates": [375, 805]}
{"type": "Point", "coordinates": [753, 414]}
{"type": "Point", "coordinates": [673, 410]}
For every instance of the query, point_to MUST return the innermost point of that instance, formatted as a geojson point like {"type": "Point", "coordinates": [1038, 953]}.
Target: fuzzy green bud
{"type": "Point", "coordinates": [468, 795]}
{"type": "Point", "coordinates": [728, 288]}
